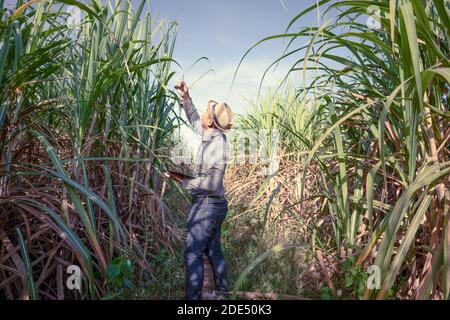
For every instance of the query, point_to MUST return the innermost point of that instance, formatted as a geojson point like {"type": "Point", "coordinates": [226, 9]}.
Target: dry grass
{"type": "Point", "coordinates": [267, 212]}
{"type": "Point", "coordinates": [147, 221]}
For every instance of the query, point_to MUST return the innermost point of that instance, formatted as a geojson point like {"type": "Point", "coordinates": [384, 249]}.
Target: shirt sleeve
{"type": "Point", "coordinates": [193, 116]}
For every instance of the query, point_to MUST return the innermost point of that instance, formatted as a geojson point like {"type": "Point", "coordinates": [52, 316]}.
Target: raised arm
{"type": "Point", "coordinates": [189, 108]}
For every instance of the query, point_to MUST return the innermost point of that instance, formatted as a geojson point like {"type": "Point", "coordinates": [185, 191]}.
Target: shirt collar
{"type": "Point", "coordinates": [209, 134]}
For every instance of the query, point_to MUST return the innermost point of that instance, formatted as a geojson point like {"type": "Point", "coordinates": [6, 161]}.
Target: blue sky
{"type": "Point", "coordinates": [223, 31]}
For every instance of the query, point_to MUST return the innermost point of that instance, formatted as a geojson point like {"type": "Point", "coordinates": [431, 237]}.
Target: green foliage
{"type": "Point", "coordinates": [91, 106]}
{"type": "Point", "coordinates": [354, 278]}
{"type": "Point", "coordinates": [378, 99]}
{"type": "Point", "coordinates": [280, 112]}
{"type": "Point", "coordinates": [120, 274]}
{"type": "Point", "coordinates": [326, 293]}
{"type": "Point", "coordinates": [168, 280]}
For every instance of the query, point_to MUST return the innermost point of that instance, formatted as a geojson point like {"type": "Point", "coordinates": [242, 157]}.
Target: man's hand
{"type": "Point", "coordinates": [174, 176]}
{"type": "Point", "coordinates": [182, 90]}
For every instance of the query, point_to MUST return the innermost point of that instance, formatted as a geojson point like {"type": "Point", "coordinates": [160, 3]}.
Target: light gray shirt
{"type": "Point", "coordinates": [210, 161]}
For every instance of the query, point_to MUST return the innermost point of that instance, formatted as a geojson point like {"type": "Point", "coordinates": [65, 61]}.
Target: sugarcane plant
{"type": "Point", "coordinates": [85, 118]}
{"type": "Point", "coordinates": [376, 79]}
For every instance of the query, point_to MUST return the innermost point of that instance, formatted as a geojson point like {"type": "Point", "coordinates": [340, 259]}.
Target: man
{"type": "Point", "coordinates": [209, 206]}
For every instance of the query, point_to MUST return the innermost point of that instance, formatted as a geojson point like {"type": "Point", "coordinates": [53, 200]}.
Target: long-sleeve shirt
{"type": "Point", "coordinates": [211, 159]}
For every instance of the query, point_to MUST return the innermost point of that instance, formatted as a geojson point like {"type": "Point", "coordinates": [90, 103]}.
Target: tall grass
{"type": "Point", "coordinates": [85, 120]}
{"type": "Point", "coordinates": [279, 110]}
{"type": "Point", "coordinates": [381, 111]}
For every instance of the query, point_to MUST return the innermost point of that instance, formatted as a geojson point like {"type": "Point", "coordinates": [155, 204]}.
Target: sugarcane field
{"type": "Point", "coordinates": [241, 151]}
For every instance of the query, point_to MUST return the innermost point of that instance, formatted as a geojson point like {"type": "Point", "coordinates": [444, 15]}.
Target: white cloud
{"type": "Point", "coordinates": [216, 86]}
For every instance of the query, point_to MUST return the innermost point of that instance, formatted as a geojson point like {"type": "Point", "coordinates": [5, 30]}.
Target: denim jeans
{"type": "Point", "coordinates": [203, 236]}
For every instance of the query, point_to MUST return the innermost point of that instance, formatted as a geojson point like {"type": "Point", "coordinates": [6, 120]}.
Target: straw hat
{"type": "Point", "coordinates": [221, 115]}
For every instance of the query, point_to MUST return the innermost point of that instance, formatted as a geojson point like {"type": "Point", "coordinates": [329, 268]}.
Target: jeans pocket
{"type": "Point", "coordinates": [211, 225]}
{"type": "Point", "coordinates": [220, 213]}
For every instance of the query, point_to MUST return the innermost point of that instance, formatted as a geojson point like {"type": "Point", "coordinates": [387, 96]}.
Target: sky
{"type": "Point", "coordinates": [223, 31]}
